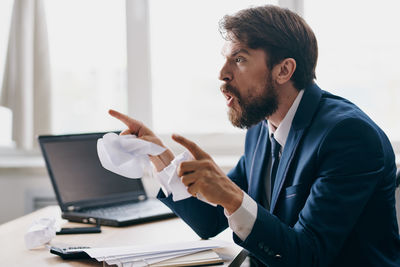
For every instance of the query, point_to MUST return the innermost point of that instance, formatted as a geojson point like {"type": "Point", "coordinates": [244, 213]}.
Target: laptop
{"type": "Point", "coordinates": [88, 193]}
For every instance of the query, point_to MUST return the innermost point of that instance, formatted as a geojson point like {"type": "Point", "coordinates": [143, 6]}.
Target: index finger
{"type": "Point", "coordinates": [196, 151]}
{"type": "Point", "coordinates": [134, 125]}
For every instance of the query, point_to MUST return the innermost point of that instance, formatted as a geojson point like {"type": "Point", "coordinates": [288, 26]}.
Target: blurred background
{"type": "Point", "coordinates": [64, 63]}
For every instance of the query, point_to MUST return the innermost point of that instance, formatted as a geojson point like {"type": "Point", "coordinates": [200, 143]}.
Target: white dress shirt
{"type": "Point", "coordinates": [242, 220]}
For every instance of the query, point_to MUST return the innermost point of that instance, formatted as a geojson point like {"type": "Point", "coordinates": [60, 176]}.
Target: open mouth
{"type": "Point", "coordinates": [229, 98]}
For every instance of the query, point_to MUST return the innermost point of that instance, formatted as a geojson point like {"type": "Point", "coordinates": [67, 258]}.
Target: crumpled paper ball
{"type": "Point", "coordinates": [40, 232]}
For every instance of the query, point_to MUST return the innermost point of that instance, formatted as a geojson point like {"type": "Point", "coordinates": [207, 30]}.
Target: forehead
{"type": "Point", "coordinates": [232, 48]}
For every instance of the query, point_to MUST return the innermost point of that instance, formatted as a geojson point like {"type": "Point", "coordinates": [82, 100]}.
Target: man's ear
{"type": "Point", "coordinates": [283, 71]}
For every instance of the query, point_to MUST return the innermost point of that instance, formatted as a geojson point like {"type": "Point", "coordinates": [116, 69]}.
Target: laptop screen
{"type": "Point", "coordinates": [78, 176]}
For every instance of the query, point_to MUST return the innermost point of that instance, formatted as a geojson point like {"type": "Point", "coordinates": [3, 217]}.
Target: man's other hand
{"type": "Point", "coordinates": [202, 175]}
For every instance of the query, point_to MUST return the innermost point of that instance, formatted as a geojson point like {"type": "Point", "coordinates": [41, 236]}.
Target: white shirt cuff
{"type": "Point", "coordinates": [242, 220]}
{"type": "Point", "coordinates": [163, 179]}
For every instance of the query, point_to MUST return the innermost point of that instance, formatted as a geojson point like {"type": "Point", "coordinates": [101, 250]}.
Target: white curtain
{"type": "Point", "coordinates": [26, 83]}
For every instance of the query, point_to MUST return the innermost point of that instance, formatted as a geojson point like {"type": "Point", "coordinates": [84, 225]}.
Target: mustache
{"type": "Point", "coordinates": [227, 88]}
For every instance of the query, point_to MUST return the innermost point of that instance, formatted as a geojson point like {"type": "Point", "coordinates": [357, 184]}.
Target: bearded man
{"type": "Point", "coordinates": [316, 183]}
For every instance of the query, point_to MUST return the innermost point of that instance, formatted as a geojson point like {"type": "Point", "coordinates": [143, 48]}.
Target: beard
{"type": "Point", "coordinates": [253, 109]}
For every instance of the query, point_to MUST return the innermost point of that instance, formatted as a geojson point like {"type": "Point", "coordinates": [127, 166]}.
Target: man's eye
{"type": "Point", "coordinates": [239, 59]}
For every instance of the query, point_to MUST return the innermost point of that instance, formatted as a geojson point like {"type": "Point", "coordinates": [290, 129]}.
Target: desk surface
{"type": "Point", "coordinates": [14, 253]}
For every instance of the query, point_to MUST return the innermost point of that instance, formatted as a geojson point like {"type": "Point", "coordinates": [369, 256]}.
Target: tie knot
{"type": "Point", "coordinates": [275, 147]}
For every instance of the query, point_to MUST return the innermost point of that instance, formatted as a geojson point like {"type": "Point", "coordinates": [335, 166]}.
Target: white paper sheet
{"type": "Point", "coordinates": [126, 155]}
{"type": "Point", "coordinates": [139, 256]}
{"type": "Point", "coordinates": [146, 260]}
{"type": "Point", "coordinates": [154, 249]}
{"type": "Point", "coordinates": [206, 257]}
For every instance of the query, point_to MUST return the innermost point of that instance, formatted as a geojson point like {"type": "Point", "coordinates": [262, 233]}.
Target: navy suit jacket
{"type": "Point", "coordinates": [333, 201]}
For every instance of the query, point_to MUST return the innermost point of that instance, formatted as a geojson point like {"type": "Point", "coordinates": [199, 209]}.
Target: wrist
{"type": "Point", "coordinates": [163, 160]}
{"type": "Point", "coordinates": [234, 202]}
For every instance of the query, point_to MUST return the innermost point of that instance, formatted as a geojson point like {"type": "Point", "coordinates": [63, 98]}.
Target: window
{"type": "Point", "coordinates": [88, 52]}
{"type": "Point", "coordinates": [87, 42]}
{"type": "Point", "coordinates": [5, 113]}
{"type": "Point", "coordinates": [359, 55]}
{"type": "Point", "coordinates": [185, 61]}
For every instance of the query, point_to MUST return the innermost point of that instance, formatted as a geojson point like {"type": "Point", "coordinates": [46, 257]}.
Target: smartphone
{"type": "Point", "coordinates": [79, 230]}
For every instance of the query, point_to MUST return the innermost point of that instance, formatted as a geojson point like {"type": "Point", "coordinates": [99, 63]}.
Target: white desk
{"type": "Point", "coordinates": [14, 253]}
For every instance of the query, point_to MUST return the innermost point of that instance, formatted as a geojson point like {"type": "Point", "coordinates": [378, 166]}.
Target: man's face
{"type": "Point", "coordinates": [248, 86]}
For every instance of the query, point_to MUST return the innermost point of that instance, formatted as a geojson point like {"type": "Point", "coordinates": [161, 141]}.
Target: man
{"type": "Point", "coordinates": [315, 186]}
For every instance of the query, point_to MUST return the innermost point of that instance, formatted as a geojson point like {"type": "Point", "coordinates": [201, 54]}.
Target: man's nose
{"type": "Point", "coordinates": [225, 74]}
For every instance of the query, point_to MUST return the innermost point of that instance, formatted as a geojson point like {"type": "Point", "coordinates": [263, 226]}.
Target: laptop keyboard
{"type": "Point", "coordinates": [131, 210]}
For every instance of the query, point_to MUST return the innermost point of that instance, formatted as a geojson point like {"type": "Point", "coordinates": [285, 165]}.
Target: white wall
{"type": "Point", "coordinates": [16, 186]}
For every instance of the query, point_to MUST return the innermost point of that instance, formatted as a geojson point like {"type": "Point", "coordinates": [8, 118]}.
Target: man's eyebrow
{"type": "Point", "coordinates": [240, 50]}
{"type": "Point", "coordinates": [237, 51]}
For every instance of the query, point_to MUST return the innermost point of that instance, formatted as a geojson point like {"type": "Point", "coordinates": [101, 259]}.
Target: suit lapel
{"type": "Point", "coordinates": [290, 148]}
{"type": "Point", "coordinates": [302, 119]}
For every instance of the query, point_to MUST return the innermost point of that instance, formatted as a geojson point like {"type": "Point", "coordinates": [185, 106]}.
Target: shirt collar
{"type": "Point", "coordinates": [281, 133]}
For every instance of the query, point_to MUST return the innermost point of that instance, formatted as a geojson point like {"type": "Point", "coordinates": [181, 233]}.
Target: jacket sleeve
{"type": "Point", "coordinates": [350, 162]}
{"type": "Point", "coordinates": [207, 221]}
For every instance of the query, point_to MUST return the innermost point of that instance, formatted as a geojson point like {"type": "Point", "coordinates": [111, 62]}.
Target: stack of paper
{"type": "Point", "coordinates": [199, 258]}
{"type": "Point", "coordinates": [175, 254]}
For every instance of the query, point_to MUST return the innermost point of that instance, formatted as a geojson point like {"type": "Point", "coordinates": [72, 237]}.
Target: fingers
{"type": "Point", "coordinates": [196, 151]}
{"type": "Point", "coordinates": [135, 127]}
{"type": "Point", "coordinates": [125, 132]}
{"type": "Point", "coordinates": [192, 166]}
{"type": "Point", "coordinates": [193, 184]}
{"type": "Point", "coordinates": [194, 189]}
{"type": "Point", "coordinates": [189, 179]}
{"type": "Point", "coordinates": [131, 123]}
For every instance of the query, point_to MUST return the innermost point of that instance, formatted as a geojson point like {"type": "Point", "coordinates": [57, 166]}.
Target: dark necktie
{"type": "Point", "coordinates": [275, 149]}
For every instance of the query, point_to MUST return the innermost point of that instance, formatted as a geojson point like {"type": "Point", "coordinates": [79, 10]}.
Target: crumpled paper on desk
{"type": "Point", "coordinates": [126, 155]}
{"type": "Point", "coordinates": [40, 232]}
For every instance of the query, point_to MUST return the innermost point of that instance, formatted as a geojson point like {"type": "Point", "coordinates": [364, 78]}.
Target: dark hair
{"type": "Point", "coordinates": [281, 33]}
